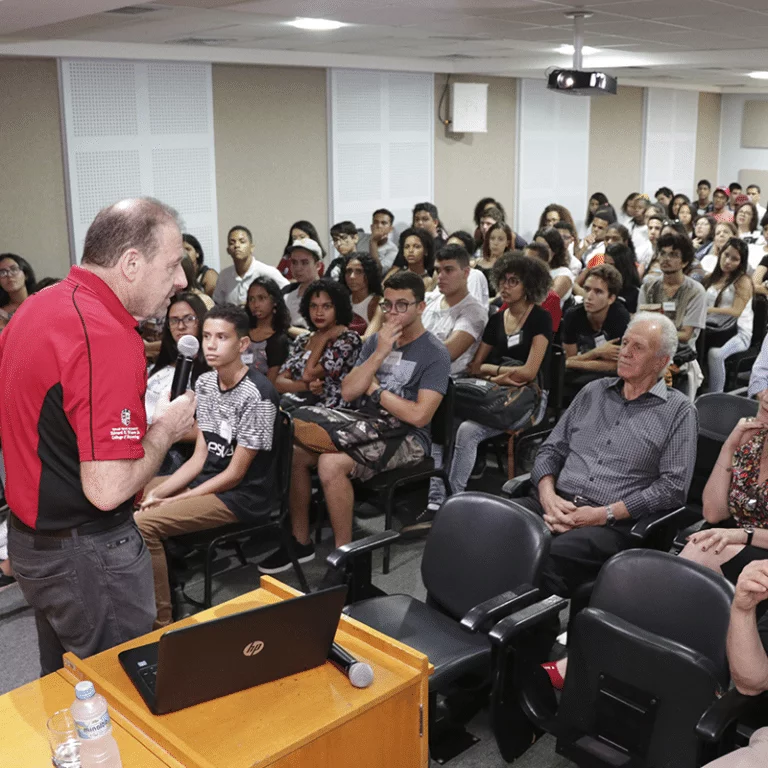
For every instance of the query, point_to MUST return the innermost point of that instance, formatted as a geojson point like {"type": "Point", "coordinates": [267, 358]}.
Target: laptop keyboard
{"type": "Point", "coordinates": [148, 673]}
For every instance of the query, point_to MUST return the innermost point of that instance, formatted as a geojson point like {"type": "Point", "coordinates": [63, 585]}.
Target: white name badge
{"type": "Point", "coordinates": [247, 358]}
{"type": "Point", "coordinates": [668, 306]}
{"type": "Point", "coordinates": [599, 340]}
{"type": "Point", "coordinates": [225, 431]}
{"type": "Point", "coordinates": [513, 340]}
{"type": "Point", "coordinates": [394, 358]}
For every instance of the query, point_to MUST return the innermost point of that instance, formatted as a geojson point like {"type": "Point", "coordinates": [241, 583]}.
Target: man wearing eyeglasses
{"type": "Point", "coordinates": [402, 370]}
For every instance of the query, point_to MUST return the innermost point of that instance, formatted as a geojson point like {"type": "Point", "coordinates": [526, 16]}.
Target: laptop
{"type": "Point", "coordinates": [201, 662]}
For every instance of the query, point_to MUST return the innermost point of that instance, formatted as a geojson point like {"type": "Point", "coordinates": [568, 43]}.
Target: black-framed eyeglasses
{"type": "Point", "coordinates": [10, 272]}
{"type": "Point", "coordinates": [400, 306]}
{"type": "Point", "coordinates": [186, 320]}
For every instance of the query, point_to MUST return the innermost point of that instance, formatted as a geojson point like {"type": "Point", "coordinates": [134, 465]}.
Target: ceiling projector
{"type": "Point", "coordinates": [580, 83]}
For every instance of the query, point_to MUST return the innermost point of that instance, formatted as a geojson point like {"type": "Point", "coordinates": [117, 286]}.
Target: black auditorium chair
{"type": "Point", "coordinates": [718, 412]}
{"type": "Point", "coordinates": [381, 488]}
{"type": "Point", "coordinates": [646, 665]}
{"type": "Point", "coordinates": [738, 366]}
{"type": "Point", "coordinates": [276, 524]}
{"type": "Point", "coordinates": [482, 561]}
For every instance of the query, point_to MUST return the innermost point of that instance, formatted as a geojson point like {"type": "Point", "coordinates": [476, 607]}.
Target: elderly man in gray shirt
{"type": "Point", "coordinates": [624, 449]}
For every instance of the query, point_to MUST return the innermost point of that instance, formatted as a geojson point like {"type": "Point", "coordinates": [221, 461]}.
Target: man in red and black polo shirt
{"type": "Point", "coordinates": [74, 433]}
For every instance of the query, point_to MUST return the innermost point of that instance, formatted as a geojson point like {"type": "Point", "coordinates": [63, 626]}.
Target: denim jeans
{"type": "Point", "coordinates": [89, 593]}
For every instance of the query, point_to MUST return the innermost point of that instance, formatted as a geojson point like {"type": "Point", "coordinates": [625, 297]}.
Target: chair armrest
{"type": "Point", "coordinates": [500, 606]}
{"type": "Point", "coordinates": [518, 486]}
{"type": "Point", "coordinates": [528, 618]}
{"type": "Point", "coordinates": [724, 711]}
{"type": "Point", "coordinates": [644, 528]}
{"type": "Point", "coordinates": [740, 392]}
{"type": "Point", "coordinates": [341, 556]}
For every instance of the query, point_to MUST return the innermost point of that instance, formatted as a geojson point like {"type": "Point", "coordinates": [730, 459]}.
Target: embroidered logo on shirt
{"type": "Point", "coordinates": [125, 417]}
{"type": "Point", "coordinates": [126, 432]}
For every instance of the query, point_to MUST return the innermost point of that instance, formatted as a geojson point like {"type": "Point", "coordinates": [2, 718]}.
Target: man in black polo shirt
{"type": "Point", "coordinates": [74, 433]}
{"type": "Point", "coordinates": [592, 331]}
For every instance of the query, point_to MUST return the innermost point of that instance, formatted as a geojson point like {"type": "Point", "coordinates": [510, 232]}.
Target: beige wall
{"type": "Point", "coordinates": [708, 138]}
{"type": "Point", "coordinates": [616, 144]}
{"type": "Point", "coordinates": [271, 153]}
{"type": "Point", "coordinates": [33, 217]}
{"type": "Point", "coordinates": [474, 165]}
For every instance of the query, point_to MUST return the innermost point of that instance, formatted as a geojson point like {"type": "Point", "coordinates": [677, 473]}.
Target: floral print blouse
{"type": "Point", "coordinates": [748, 501]}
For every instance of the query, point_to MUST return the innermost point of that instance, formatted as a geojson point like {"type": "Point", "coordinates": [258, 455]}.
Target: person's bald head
{"type": "Point", "coordinates": [132, 224]}
{"type": "Point", "coordinates": [649, 344]}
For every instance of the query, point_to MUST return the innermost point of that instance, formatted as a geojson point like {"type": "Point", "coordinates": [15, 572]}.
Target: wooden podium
{"type": "Point", "coordinates": [315, 718]}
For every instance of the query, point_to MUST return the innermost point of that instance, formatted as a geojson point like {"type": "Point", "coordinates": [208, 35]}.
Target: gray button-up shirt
{"type": "Point", "coordinates": [608, 449]}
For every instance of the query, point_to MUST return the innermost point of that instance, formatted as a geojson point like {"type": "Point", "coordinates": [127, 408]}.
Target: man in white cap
{"type": "Point", "coordinates": [305, 256]}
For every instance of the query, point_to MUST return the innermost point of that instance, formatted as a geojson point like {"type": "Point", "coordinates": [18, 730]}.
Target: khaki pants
{"type": "Point", "coordinates": [172, 519]}
{"type": "Point", "coordinates": [753, 756]}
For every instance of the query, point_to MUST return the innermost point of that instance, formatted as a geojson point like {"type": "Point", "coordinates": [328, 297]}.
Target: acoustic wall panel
{"type": "Point", "coordinates": [669, 156]}
{"type": "Point", "coordinates": [381, 135]}
{"type": "Point", "coordinates": [140, 129]}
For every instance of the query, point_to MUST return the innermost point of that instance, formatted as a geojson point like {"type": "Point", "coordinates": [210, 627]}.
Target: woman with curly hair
{"type": "Point", "coordinates": [416, 252]}
{"type": "Point", "coordinates": [269, 320]}
{"type": "Point", "coordinates": [363, 280]}
{"type": "Point", "coordinates": [318, 361]}
{"type": "Point", "coordinates": [511, 352]}
{"type": "Point", "coordinates": [554, 213]}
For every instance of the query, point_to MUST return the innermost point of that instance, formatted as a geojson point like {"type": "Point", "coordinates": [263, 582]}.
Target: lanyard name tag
{"type": "Point", "coordinates": [513, 340]}
{"type": "Point", "coordinates": [247, 358]}
{"type": "Point", "coordinates": [394, 358]}
{"type": "Point", "coordinates": [599, 340]}
{"type": "Point", "coordinates": [668, 306]}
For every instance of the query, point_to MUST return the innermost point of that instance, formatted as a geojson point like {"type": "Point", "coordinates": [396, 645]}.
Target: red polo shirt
{"type": "Point", "coordinates": [72, 383]}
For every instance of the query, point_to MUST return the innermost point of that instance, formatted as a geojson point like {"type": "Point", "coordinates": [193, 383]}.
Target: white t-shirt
{"type": "Point", "coordinates": [477, 285]}
{"type": "Point", "coordinates": [468, 315]}
{"type": "Point", "coordinates": [644, 254]}
{"type": "Point", "coordinates": [293, 302]}
{"type": "Point", "coordinates": [233, 289]}
{"type": "Point", "coordinates": [563, 272]}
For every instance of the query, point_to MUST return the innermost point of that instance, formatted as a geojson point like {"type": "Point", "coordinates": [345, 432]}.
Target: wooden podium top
{"type": "Point", "coordinates": [257, 726]}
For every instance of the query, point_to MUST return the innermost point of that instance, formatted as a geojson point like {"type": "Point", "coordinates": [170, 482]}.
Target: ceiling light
{"type": "Point", "coordinates": [567, 50]}
{"type": "Point", "coordinates": [758, 75]}
{"type": "Point", "coordinates": [317, 25]}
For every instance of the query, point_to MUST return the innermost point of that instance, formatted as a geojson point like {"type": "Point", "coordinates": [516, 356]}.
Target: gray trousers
{"type": "Point", "coordinates": [89, 593]}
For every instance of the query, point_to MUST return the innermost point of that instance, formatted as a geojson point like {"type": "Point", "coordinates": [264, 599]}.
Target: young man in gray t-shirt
{"type": "Point", "coordinates": [404, 370]}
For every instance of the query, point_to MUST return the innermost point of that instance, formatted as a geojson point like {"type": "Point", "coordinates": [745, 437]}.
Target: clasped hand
{"type": "Point", "coordinates": [561, 515]}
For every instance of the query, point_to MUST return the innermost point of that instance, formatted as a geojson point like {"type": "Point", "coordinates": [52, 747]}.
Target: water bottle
{"type": "Point", "coordinates": [98, 748]}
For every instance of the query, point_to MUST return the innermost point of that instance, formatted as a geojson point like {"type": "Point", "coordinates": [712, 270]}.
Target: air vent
{"type": "Point", "coordinates": [202, 41]}
{"type": "Point", "coordinates": [132, 10]}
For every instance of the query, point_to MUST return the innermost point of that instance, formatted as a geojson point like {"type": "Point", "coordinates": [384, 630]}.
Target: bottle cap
{"type": "Point", "coordinates": [85, 690]}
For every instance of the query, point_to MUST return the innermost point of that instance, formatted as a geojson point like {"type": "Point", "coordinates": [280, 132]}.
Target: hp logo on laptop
{"type": "Point", "coordinates": [253, 648]}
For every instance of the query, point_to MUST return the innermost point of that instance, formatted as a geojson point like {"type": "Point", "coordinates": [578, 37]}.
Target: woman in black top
{"type": "Point", "coordinates": [270, 320]}
{"type": "Point", "coordinates": [622, 257]}
{"type": "Point", "coordinates": [205, 275]}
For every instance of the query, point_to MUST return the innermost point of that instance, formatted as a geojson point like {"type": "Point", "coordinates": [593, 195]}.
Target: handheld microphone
{"type": "Point", "coordinates": [359, 673]}
{"type": "Point", "coordinates": [188, 347]}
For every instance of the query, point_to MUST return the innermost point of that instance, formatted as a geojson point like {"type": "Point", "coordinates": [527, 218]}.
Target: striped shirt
{"type": "Point", "coordinates": [608, 449]}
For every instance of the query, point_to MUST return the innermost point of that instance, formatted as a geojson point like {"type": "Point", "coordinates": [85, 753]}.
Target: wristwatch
{"type": "Point", "coordinates": [375, 396]}
{"type": "Point", "coordinates": [609, 516]}
{"type": "Point", "coordinates": [750, 533]}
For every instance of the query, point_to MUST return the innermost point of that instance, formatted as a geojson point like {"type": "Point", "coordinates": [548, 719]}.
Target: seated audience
{"type": "Point", "coordinates": [416, 253]}
{"type": "Point", "coordinates": [734, 504]}
{"type": "Point", "coordinates": [677, 296]}
{"type": "Point", "coordinates": [269, 321]}
{"type": "Point", "coordinates": [305, 258]}
{"type": "Point", "coordinates": [498, 240]}
{"type": "Point", "coordinates": [694, 268]}
{"type": "Point", "coordinates": [554, 213]}
{"type": "Point", "coordinates": [673, 210]}
{"type": "Point", "coordinates": [17, 283]}
{"type": "Point", "coordinates": [747, 222]}
{"type": "Point", "coordinates": [425, 217]}
{"type": "Point", "coordinates": [490, 217]}
{"type": "Point", "coordinates": [484, 206]}
{"type": "Point", "coordinates": [664, 196]}
{"type": "Point", "coordinates": [593, 246]}
{"type": "Point", "coordinates": [231, 474]}
{"type": "Point", "coordinates": [638, 229]}
{"type": "Point", "coordinates": [720, 211]}
{"type": "Point", "coordinates": [476, 282]}
{"type": "Point", "coordinates": [233, 282]}
{"type": "Point", "coordinates": [192, 285]}
{"type": "Point", "coordinates": [735, 192]}
{"type": "Point", "coordinates": [703, 235]}
{"type": "Point", "coordinates": [627, 210]}
{"type": "Point", "coordinates": [300, 230]}
{"type": "Point", "coordinates": [204, 275]}
{"type": "Point", "coordinates": [624, 449]}
{"type": "Point", "coordinates": [570, 237]}
{"type": "Point", "coordinates": [685, 216]}
{"type": "Point", "coordinates": [549, 247]}
{"type": "Point", "coordinates": [363, 280]}
{"type": "Point", "coordinates": [345, 237]}
{"type": "Point", "coordinates": [621, 256]}
{"type": "Point", "coordinates": [729, 293]}
{"type": "Point", "coordinates": [407, 382]}
{"type": "Point", "coordinates": [753, 193]}
{"type": "Point", "coordinates": [654, 226]}
{"type": "Point", "coordinates": [596, 202]}
{"type": "Point", "coordinates": [512, 352]}
{"type": "Point", "coordinates": [724, 231]}
{"type": "Point", "coordinates": [593, 330]}
{"type": "Point", "coordinates": [184, 318]}
{"type": "Point", "coordinates": [703, 203]}
{"type": "Point", "coordinates": [318, 361]}
{"type": "Point", "coordinates": [379, 244]}
{"type": "Point", "coordinates": [748, 658]}
{"type": "Point", "coordinates": [759, 282]}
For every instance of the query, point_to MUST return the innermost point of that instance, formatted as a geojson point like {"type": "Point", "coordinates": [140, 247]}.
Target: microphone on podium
{"type": "Point", "coordinates": [188, 347]}
{"type": "Point", "coordinates": [359, 673]}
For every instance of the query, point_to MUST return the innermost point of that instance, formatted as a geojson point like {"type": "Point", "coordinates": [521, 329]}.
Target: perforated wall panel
{"type": "Point", "coordinates": [381, 144]}
{"type": "Point", "coordinates": [140, 129]}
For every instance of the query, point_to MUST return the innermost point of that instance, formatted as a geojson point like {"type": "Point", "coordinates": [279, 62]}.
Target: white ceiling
{"type": "Point", "coordinates": [707, 44]}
